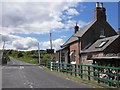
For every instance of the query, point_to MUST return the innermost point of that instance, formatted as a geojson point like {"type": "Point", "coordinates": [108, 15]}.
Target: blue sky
{"type": "Point", "coordinates": [119, 14]}
{"type": "Point", "coordinates": [32, 22]}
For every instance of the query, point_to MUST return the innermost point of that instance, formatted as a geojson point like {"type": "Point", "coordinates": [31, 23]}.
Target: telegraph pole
{"type": "Point", "coordinates": [51, 44]}
{"type": "Point", "coordinates": [50, 40]}
{"type": "Point", "coordinates": [39, 53]}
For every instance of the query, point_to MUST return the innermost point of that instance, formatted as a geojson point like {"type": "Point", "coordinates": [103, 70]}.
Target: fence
{"type": "Point", "coordinates": [109, 76]}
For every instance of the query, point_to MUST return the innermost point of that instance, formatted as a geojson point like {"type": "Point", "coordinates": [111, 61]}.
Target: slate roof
{"type": "Point", "coordinates": [95, 46]}
{"type": "Point", "coordinates": [70, 40]}
{"type": "Point", "coordinates": [83, 30]}
{"type": "Point", "coordinates": [80, 33]}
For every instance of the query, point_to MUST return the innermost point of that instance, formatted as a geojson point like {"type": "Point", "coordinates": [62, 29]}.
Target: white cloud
{"type": "Point", "coordinates": [72, 11]}
{"type": "Point", "coordinates": [6, 37]}
{"type": "Point", "coordinates": [63, 36]}
{"type": "Point", "coordinates": [17, 42]}
{"type": "Point", "coordinates": [56, 43]}
{"type": "Point", "coordinates": [72, 23]}
{"type": "Point", "coordinates": [34, 17]}
{"type": "Point", "coordinates": [42, 0]}
{"type": "Point", "coordinates": [25, 43]}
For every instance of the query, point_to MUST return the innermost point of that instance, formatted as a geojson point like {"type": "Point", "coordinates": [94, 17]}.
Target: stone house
{"type": "Point", "coordinates": [103, 51]}
{"type": "Point", "coordinates": [72, 50]}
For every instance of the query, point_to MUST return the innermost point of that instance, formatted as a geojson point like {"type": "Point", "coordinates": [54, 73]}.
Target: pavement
{"type": "Point", "coordinates": [18, 74]}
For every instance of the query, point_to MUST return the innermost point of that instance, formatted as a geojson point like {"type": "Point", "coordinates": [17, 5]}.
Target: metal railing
{"type": "Point", "coordinates": [106, 75]}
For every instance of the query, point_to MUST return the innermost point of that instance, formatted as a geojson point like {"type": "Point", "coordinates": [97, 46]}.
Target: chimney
{"type": "Point", "coordinates": [76, 28]}
{"type": "Point", "coordinates": [101, 5]}
{"type": "Point", "coordinates": [100, 12]}
{"type": "Point", "coordinates": [119, 31]}
{"type": "Point", "coordinates": [97, 4]}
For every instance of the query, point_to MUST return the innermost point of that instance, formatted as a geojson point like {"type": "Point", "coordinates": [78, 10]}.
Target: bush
{"type": "Point", "coordinates": [20, 54]}
{"type": "Point", "coordinates": [5, 59]}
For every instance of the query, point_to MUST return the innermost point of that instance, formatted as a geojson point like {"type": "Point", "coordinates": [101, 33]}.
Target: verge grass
{"type": "Point", "coordinates": [28, 60]}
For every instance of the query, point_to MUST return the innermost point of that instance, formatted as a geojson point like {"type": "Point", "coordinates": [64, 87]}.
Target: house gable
{"type": "Point", "coordinates": [80, 33]}
{"type": "Point", "coordinates": [94, 33]}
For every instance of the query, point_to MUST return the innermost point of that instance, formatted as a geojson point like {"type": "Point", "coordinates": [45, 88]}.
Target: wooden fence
{"type": "Point", "coordinates": [109, 76]}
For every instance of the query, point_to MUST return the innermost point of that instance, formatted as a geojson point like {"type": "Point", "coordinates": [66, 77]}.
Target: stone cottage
{"type": "Point", "coordinates": [96, 32]}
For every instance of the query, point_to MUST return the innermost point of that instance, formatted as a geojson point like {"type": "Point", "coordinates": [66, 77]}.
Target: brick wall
{"type": "Point", "coordinates": [57, 56]}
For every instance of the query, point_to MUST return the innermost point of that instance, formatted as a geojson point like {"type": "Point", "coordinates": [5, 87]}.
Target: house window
{"type": "Point", "coordinates": [102, 43]}
{"type": "Point", "coordinates": [63, 57]}
{"type": "Point", "coordinates": [73, 55]}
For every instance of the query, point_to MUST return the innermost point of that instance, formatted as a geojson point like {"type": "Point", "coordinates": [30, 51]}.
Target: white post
{"type": "Point", "coordinates": [39, 53]}
{"type": "Point", "coordinates": [51, 66]}
{"type": "Point", "coordinates": [3, 51]}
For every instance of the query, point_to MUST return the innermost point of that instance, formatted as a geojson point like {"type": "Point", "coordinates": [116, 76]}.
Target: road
{"type": "Point", "coordinates": [19, 74]}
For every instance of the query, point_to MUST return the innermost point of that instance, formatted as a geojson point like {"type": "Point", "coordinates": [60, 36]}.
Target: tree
{"type": "Point", "coordinates": [14, 53]}
{"type": "Point", "coordinates": [20, 54]}
{"type": "Point", "coordinates": [45, 58]}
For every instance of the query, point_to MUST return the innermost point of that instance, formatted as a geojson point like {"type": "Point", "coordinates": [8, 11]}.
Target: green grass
{"type": "Point", "coordinates": [28, 60]}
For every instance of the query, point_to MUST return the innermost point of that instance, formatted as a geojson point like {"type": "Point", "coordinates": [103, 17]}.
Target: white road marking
{"type": "Point", "coordinates": [21, 67]}
{"type": "Point", "coordinates": [40, 67]}
{"type": "Point", "coordinates": [10, 67]}
{"type": "Point", "coordinates": [29, 84]}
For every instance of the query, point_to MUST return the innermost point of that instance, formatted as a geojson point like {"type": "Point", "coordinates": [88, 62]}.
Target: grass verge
{"type": "Point", "coordinates": [28, 60]}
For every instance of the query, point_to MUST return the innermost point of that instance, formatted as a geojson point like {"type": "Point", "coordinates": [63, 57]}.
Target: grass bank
{"type": "Point", "coordinates": [28, 60]}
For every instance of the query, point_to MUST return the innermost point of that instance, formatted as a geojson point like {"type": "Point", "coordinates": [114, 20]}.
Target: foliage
{"type": "Point", "coordinates": [5, 58]}
{"type": "Point", "coordinates": [20, 54]}
{"type": "Point", "coordinates": [29, 56]}
{"type": "Point", "coordinates": [45, 58]}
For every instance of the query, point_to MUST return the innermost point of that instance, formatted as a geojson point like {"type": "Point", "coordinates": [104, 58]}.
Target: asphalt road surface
{"type": "Point", "coordinates": [19, 74]}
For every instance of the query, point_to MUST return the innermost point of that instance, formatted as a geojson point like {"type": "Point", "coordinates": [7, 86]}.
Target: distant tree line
{"type": "Point", "coordinates": [44, 56]}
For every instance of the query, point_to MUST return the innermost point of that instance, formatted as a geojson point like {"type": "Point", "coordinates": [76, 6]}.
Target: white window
{"type": "Point", "coordinates": [71, 53]}
{"type": "Point", "coordinates": [102, 43]}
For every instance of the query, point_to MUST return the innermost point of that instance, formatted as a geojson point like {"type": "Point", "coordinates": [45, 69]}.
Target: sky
{"type": "Point", "coordinates": [25, 24]}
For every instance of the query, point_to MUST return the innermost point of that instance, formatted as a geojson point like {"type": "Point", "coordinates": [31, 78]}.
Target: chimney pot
{"type": "Point", "coordinates": [97, 4]}
{"type": "Point", "coordinates": [101, 5]}
{"type": "Point", "coordinates": [100, 12]}
{"type": "Point", "coordinates": [76, 28]}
